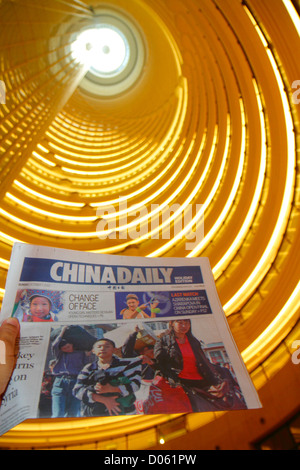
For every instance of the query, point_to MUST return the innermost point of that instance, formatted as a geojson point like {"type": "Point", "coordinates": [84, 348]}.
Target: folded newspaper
{"type": "Point", "coordinates": [105, 335]}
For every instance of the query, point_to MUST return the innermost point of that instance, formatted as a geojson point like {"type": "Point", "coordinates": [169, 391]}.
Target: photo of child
{"type": "Point", "coordinates": [135, 309]}
{"type": "Point", "coordinates": [150, 368]}
{"type": "Point", "coordinates": [33, 305]}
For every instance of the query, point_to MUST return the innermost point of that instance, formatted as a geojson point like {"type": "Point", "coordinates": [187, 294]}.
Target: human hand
{"type": "Point", "coordinates": [219, 390]}
{"type": "Point", "coordinates": [20, 295]}
{"type": "Point", "coordinates": [9, 332]}
{"type": "Point", "coordinates": [113, 407]}
{"type": "Point", "coordinates": [154, 304]}
{"type": "Point", "coordinates": [107, 388]}
{"type": "Point", "coordinates": [147, 360]}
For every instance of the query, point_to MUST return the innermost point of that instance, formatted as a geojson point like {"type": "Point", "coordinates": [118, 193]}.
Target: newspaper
{"type": "Point", "coordinates": [104, 335]}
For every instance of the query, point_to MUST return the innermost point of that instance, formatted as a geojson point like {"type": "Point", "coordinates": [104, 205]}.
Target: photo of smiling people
{"type": "Point", "coordinates": [146, 367]}
{"type": "Point", "coordinates": [107, 386]}
{"type": "Point", "coordinates": [33, 305]}
{"type": "Point", "coordinates": [142, 305]}
{"type": "Point", "coordinates": [137, 309]}
{"type": "Point", "coordinates": [69, 351]}
{"type": "Point", "coordinates": [85, 374]}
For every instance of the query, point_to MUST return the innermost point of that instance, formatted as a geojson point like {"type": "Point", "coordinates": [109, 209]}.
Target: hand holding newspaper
{"type": "Point", "coordinates": [104, 335]}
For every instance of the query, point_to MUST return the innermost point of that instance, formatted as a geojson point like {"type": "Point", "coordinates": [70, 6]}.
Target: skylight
{"type": "Point", "coordinates": [104, 50]}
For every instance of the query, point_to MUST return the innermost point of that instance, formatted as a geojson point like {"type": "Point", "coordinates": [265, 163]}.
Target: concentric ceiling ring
{"type": "Point", "coordinates": [121, 40]}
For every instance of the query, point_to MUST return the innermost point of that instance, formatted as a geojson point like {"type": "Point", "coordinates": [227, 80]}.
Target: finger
{"type": "Point", "coordinates": [9, 332]}
{"type": "Point", "coordinates": [116, 410]}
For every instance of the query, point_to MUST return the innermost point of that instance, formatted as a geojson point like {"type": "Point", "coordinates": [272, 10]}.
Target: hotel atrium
{"type": "Point", "coordinates": [136, 106]}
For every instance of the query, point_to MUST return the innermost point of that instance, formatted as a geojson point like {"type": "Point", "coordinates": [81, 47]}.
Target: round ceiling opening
{"type": "Point", "coordinates": [105, 50]}
{"type": "Point", "coordinates": [113, 52]}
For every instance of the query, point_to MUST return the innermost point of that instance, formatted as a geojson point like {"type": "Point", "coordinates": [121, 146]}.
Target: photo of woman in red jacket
{"type": "Point", "coordinates": [181, 361]}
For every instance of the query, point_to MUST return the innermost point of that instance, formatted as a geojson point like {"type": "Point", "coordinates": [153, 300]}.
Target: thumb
{"type": "Point", "coordinates": [9, 332]}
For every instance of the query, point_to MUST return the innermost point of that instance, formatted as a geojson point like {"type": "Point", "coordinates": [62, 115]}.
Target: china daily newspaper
{"type": "Point", "coordinates": [105, 335]}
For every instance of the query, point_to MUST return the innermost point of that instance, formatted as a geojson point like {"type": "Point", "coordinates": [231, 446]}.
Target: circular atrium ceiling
{"type": "Point", "coordinates": [113, 52]}
{"type": "Point", "coordinates": [104, 49]}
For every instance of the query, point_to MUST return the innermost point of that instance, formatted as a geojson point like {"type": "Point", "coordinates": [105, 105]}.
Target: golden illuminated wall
{"type": "Point", "coordinates": [212, 122]}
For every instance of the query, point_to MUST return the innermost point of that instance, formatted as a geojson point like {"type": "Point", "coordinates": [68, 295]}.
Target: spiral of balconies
{"type": "Point", "coordinates": [211, 122]}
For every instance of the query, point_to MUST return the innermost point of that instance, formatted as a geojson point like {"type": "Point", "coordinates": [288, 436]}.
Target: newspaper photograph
{"type": "Point", "coordinates": [107, 335]}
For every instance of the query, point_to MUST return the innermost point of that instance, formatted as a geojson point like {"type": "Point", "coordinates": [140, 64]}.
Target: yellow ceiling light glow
{"type": "Point", "coordinates": [275, 332]}
{"type": "Point", "coordinates": [43, 159]}
{"type": "Point", "coordinates": [4, 264]}
{"type": "Point", "coordinates": [47, 198]}
{"type": "Point", "coordinates": [200, 214]}
{"type": "Point", "coordinates": [197, 250]}
{"type": "Point", "coordinates": [159, 209]}
{"type": "Point", "coordinates": [293, 13]}
{"type": "Point", "coordinates": [223, 262]}
{"type": "Point", "coordinates": [46, 230]}
{"type": "Point", "coordinates": [9, 240]}
{"type": "Point", "coordinates": [50, 214]}
{"type": "Point", "coordinates": [273, 244]}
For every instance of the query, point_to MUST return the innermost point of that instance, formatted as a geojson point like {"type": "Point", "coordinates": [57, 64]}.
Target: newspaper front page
{"type": "Point", "coordinates": [105, 335]}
